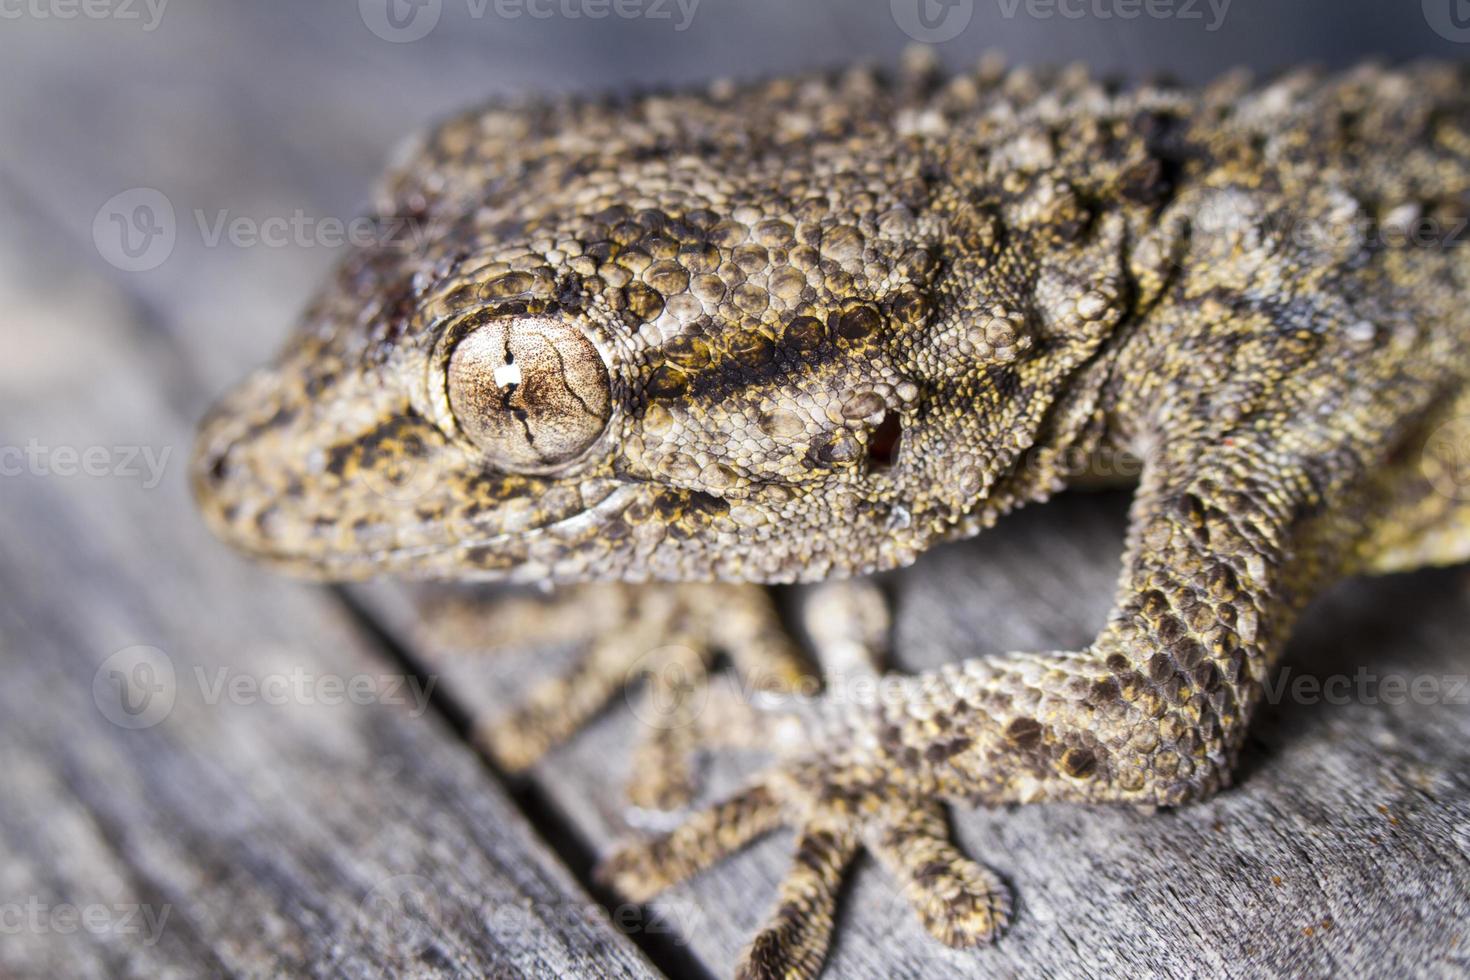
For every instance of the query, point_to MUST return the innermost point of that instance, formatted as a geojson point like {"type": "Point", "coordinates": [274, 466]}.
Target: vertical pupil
{"type": "Point", "coordinates": [530, 392]}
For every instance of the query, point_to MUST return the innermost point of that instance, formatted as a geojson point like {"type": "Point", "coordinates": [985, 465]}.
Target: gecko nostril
{"type": "Point", "coordinates": [883, 444]}
{"type": "Point", "coordinates": [219, 468]}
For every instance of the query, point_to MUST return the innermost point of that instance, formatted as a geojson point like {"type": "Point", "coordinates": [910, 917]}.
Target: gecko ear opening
{"type": "Point", "coordinates": [530, 391]}
{"type": "Point", "coordinates": [883, 444]}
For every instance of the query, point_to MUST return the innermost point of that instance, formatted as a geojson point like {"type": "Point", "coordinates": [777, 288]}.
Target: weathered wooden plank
{"type": "Point", "coordinates": [1342, 851]}
{"type": "Point", "coordinates": [257, 790]}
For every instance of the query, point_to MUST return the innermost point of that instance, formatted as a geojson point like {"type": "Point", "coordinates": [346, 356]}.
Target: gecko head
{"type": "Point", "coordinates": [765, 367]}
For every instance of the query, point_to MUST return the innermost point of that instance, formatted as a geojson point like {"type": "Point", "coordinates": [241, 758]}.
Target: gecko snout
{"type": "Point", "coordinates": [254, 470]}
{"type": "Point", "coordinates": [222, 472]}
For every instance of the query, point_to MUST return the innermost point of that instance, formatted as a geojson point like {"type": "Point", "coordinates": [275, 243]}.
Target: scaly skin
{"type": "Point", "coordinates": [808, 328]}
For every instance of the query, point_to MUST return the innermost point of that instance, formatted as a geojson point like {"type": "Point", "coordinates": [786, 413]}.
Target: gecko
{"type": "Point", "coordinates": [692, 343]}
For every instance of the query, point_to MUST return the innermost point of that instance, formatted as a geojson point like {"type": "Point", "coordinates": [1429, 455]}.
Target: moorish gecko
{"type": "Point", "coordinates": [808, 328]}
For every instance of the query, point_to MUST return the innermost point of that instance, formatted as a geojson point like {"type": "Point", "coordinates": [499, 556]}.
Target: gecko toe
{"type": "Point", "coordinates": [959, 902]}
{"type": "Point", "coordinates": [837, 809]}
{"type": "Point", "coordinates": [656, 645]}
{"type": "Point", "coordinates": [641, 869]}
{"type": "Point", "coordinates": [794, 941]}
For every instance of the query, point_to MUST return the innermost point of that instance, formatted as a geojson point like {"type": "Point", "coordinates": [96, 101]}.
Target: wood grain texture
{"type": "Point", "coordinates": [366, 840]}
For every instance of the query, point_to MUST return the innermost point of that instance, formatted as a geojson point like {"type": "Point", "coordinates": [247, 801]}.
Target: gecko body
{"type": "Point", "coordinates": [807, 328]}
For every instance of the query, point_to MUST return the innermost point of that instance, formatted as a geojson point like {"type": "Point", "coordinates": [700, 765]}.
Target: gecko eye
{"type": "Point", "coordinates": [532, 392]}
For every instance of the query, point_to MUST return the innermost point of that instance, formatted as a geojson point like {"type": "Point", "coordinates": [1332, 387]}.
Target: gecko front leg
{"type": "Point", "coordinates": [657, 643]}
{"type": "Point", "coordinates": [1222, 543]}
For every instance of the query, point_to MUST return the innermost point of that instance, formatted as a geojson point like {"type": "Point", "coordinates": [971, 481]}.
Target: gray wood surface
{"type": "Point", "coordinates": [1343, 850]}
{"type": "Point", "coordinates": [236, 837]}
{"type": "Point", "coordinates": [274, 797]}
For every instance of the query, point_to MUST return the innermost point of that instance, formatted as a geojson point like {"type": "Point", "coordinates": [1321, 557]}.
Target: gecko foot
{"type": "Point", "coordinates": [836, 805]}
{"type": "Point", "coordinates": [658, 644]}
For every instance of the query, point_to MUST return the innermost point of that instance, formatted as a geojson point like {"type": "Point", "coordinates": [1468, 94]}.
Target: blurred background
{"type": "Point", "coordinates": [176, 177]}
{"type": "Point", "coordinates": [265, 109]}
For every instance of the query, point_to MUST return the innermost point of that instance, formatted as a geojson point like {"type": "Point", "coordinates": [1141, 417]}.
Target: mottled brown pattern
{"type": "Point", "coordinates": [843, 318]}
